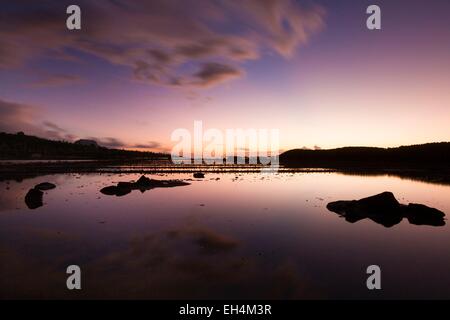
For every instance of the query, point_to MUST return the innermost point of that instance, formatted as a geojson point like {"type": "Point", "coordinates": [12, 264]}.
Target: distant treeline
{"type": "Point", "coordinates": [423, 155]}
{"type": "Point", "coordinates": [24, 147]}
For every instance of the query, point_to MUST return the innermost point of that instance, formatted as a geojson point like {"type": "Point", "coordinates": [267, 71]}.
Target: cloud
{"type": "Point", "coordinates": [213, 73]}
{"type": "Point", "coordinates": [53, 126]}
{"type": "Point", "coordinates": [54, 80]}
{"type": "Point", "coordinates": [161, 41]}
{"type": "Point", "coordinates": [55, 132]}
{"type": "Point", "coordinates": [282, 25]}
{"type": "Point", "coordinates": [17, 117]}
{"type": "Point", "coordinates": [149, 145]}
{"type": "Point", "coordinates": [109, 142]}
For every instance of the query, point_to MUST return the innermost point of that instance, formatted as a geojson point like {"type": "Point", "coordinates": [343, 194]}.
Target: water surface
{"type": "Point", "coordinates": [230, 235]}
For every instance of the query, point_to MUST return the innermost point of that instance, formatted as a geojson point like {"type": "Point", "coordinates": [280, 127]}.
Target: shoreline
{"type": "Point", "coordinates": [21, 170]}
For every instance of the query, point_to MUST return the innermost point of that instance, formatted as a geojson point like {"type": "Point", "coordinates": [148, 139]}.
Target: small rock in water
{"type": "Point", "coordinates": [33, 199]}
{"type": "Point", "coordinates": [199, 175]}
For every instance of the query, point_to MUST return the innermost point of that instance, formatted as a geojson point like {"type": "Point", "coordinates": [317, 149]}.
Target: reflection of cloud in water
{"type": "Point", "coordinates": [169, 265]}
{"type": "Point", "coordinates": [207, 240]}
{"type": "Point", "coordinates": [8, 200]}
{"type": "Point", "coordinates": [191, 262]}
{"type": "Point", "coordinates": [23, 276]}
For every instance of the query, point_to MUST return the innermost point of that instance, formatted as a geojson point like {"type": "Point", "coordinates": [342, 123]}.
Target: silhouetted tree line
{"type": "Point", "coordinates": [21, 147]}
{"type": "Point", "coordinates": [429, 155]}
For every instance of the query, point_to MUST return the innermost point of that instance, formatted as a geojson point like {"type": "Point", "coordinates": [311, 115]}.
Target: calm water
{"type": "Point", "coordinates": [240, 236]}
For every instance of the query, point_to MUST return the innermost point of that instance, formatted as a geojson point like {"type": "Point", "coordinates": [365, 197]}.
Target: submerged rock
{"type": "Point", "coordinates": [384, 209]}
{"type": "Point", "coordinates": [45, 186]}
{"type": "Point", "coordinates": [143, 184]}
{"type": "Point", "coordinates": [199, 175]}
{"type": "Point", "coordinates": [33, 198]}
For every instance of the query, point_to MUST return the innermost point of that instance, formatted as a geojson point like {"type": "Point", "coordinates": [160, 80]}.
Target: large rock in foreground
{"type": "Point", "coordinates": [384, 209]}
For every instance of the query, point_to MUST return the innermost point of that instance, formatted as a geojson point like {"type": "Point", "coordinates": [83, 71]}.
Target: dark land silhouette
{"type": "Point", "coordinates": [425, 162]}
{"type": "Point", "coordinates": [24, 147]}
{"type": "Point", "coordinates": [421, 155]}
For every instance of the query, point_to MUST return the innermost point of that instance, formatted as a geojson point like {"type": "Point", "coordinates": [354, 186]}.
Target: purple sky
{"type": "Point", "coordinates": [140, 69]}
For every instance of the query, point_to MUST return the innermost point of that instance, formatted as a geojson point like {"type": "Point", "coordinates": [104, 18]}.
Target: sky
{"type": "Point", "coordinates": [138, 70]}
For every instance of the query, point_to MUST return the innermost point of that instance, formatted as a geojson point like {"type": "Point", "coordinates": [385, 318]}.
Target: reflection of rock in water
{"type": "Point", "coordinates": [384, 209]}
{"type": "Point", "coordinates": [143, 184]}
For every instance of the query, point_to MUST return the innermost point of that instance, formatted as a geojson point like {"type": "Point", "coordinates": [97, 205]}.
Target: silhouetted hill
{"type": "Point", "coordinates": [423, 155]}
{"type": "Point", "coordinates": [20, 147]}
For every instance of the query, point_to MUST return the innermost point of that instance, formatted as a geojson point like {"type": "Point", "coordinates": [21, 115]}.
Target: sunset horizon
{"type": "Point", "coordinates": [312, 70]}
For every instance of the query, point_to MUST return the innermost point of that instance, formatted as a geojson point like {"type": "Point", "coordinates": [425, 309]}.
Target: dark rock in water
{"type": "Point", "coordinates": [143, 181]}
{"type": "Point", "coordinates": [199, 175]}
{"type": "Point", "coordinates": [45, 186]}
{"type": "Point", "coordinates": [384, 209]}
{"type": "Point", "coordinates": [143, 184]}
{"type": "Point", "coordinates": [33, 199]}
{"type": "Point", "coordinates": [125, 185]}
{"type": "Point", "coordinates": [122, 191]}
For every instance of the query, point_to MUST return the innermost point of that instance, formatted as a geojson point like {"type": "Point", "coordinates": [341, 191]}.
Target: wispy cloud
{"type": "Point", "coordinates": [149, 145]}
{"type": "Point", "coordinates": [16, 117]}
{"type": "Point", "coordinates": [214, 73]}
{"type": "Point", "coordinates": [54, 80]}
{"type": "Point", "coordinates": [157, 39]}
